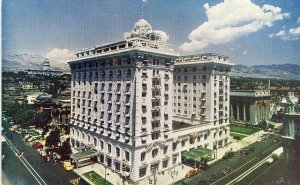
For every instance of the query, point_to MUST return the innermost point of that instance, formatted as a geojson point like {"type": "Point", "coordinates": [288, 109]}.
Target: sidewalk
{"type": "Point", "coordinates": [98, 168]}
{"type": "Point", "coordinates": [236, 145]}
{"type": "Point", "coordinates": [168, 177]}
{"type": "Point", "coordinates": [174, 174]}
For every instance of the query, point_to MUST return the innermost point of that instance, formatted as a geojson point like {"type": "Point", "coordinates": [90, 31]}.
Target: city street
{"type": "Point", "coordinates": [31, 168]}
{"type": "Point", "coordinates": [266, 174]}
{"type": "Point", "coordinates": [238, 165]}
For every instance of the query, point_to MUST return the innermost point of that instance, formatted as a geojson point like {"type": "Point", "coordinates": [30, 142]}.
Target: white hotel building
{"type": "Point", "coordinates": [141, 106]}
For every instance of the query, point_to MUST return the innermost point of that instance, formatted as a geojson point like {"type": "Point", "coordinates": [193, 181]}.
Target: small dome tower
{"type": "Point", "coordinates": [46, 65]}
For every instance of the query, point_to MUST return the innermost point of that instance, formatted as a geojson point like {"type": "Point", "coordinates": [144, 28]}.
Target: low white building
{"type": "Point", "coordinates": [31, 98]}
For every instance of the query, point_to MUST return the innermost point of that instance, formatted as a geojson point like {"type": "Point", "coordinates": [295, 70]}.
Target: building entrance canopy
{"type": "Point", "coordinates": [197, 154]}
{"type": "Point", "coordinates": [84, 155]}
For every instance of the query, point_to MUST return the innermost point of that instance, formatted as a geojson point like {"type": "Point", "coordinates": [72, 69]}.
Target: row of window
{"type": "Point", "coordinates": [95, 64]}
{"type": "Point", "coordinates": [100, 64]}
{"type": "Point", "coordinates": [102, 74]}
{"type": "Point", "coordinates": [200, 68]}
{"type": "Point", "coordinates": [103, 145]}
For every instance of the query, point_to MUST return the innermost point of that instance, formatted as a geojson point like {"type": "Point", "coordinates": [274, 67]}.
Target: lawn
{"type": "Point", "coordinates": [96, 178]}
{"type": "Point", "coordinates": [243, 129]}
{"type": "Point", "coordinates": [236, 134]}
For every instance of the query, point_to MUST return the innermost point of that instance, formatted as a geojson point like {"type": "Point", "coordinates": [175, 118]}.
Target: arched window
{"type": "Point", "coordinates": [118, 153]}
{"type": "Point", "coordinates": [127, 156]}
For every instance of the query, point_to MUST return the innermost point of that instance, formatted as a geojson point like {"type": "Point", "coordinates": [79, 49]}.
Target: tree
{"type": "Point", "coordinates": [24, 116]}
{"type": "Point", "coordinates": [53, 138]}
{"type": "Point", "coordinates": [65, 149]}
{"type": "Point", "coordinates": [42, 119]}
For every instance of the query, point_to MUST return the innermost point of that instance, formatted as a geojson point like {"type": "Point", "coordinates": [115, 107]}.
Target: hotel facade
{"type": "Point", "coordinates": [141, 106]}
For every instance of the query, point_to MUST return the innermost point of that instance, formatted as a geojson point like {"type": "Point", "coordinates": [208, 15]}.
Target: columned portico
{"type": "Point", "coordinates": [250, 106]}
{"type": "Point", "coordinates": [244, 112]}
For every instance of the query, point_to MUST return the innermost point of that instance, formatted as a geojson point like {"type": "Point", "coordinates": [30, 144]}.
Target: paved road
{"type": "Point", "coordinates": [264, 174]}
{"type": "Point", "coordinates": [239, 164]}
{"type": "Point", "coordinates": [31, 168]}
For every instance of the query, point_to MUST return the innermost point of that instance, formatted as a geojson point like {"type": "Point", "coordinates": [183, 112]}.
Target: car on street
{"type": "Point", "coordinates": [31, 139]}
{"type": "Point", "coordinates": [191, 173]}
{"type": "Point", "coordinates": [27, 137]}
{"type": "Point", "coordinates": [37, 145]}
{"type": "Point", "coordinates": [11, 129]}
{"type": "Point", "coordinates": [270, 160]}
{"type": "Point", "coordinates": [68, 166]}
{"type": "Point", "coordinates": [15, 126]}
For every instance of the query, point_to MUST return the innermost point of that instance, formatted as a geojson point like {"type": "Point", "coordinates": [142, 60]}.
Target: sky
{"type": "Point", "coordinates": [249, 32]}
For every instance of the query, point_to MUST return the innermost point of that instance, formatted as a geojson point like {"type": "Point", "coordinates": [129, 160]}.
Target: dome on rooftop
{"type": "Point", "coordinates": [46, 65]}
{"type": "Point", "coordinates": [142, 23]}
{"type": "Point", "coordinates": [142, 26]}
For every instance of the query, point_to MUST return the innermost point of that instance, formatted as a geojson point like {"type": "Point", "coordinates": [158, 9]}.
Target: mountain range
{"type": "Point", "coordinates": [22, 62]}
{"type": "Point", "coordinates": [278, 71]}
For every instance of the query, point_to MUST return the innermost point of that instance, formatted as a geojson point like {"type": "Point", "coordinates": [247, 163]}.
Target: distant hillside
{"type": "Point", "coordinates": [25, 61]}
{"type": "Point", "coordinates": [280, 71]}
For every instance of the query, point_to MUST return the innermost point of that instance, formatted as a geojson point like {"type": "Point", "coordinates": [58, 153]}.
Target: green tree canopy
{"type": "Point", "coordinates": [53, 138]}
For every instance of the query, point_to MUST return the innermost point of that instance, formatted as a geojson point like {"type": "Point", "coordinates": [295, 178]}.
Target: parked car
{"type": "Point", "coordinates": [11, 129]}
{"type": "Point", "coordinates": [37, 145]}
{"type": "Point", "coordinates": [27, 137]}
{"type": "Point", "coordinates": [269, 160]}
{"type": "Point", "coordinates": [203, 167]}
{"type": "Point", "coordinates": [191, 173]}
{"type": "Point", "coordinates": [31, 139]}
{"type": "Point", "coordinates": [68, 166]}
{"type": "Point", "coordinates": [228, 155]}
{"type": "Point", "coordinates": [15, 126]}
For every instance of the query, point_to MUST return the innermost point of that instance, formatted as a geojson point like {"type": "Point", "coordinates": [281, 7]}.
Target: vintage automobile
{"type": "Point", "coordinates": [68, 166]}
{"type": "Point", "coordinates": [37, 145]}
{"type": "Point", "coordinates": [11, 129]}
{"type": "Point", "coordinates": [191, 173]}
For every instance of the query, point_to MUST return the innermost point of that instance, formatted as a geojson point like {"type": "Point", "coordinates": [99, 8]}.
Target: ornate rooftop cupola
{"type": "Point", "coordinates": [142, 29]}
{"type": "Point", "coordinates": [46, 65]}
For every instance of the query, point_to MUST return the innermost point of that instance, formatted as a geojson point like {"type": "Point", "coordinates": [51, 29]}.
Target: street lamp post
{"type": "Point", "coordinates": [154, 175]}
{"type": "Point", "coordinates": [105, 167]}
{"type": "Point", "coordinates": [105, 173]}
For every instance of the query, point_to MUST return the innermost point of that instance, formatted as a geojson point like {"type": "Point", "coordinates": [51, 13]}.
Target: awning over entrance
{"type": "Point", "coordinates": [84, 154]}
{"type": "Point", "coordinates": [197, 154]}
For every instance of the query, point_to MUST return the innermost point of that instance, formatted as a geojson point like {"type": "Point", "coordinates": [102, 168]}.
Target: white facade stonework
{"type": "Point", "coordinates": [122, 103]}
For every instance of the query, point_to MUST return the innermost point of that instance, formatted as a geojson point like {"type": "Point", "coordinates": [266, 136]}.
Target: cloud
{"type": "Point", "coordinates": [245, 52]}
{"type": "Point", "coordinates": [60, 55]}
{"type": "Point", "coordinates": [229, 20]}
{"type": "Point", "coordinates": [298, 20]}
{"type": "Point", "coordinates": [280, 33]}
{"type": "Point", "coordinates": [287, 35]}
{"type": "Point", "coordinates": [145, 1]}
{"type": "Point", "coordinates": [163, 35]}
